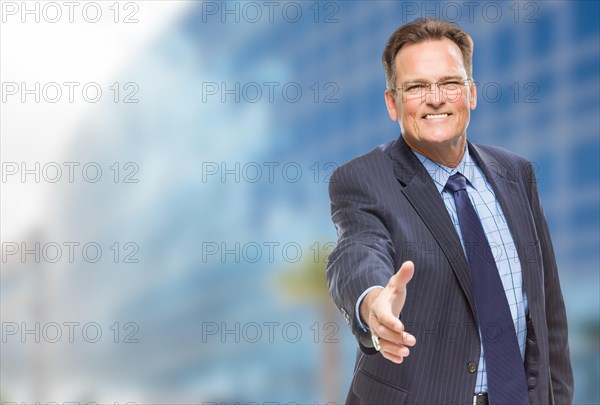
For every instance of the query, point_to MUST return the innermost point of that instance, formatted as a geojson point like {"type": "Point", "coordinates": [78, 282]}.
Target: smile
{"type": "Point", "coordinates": [435, 116]}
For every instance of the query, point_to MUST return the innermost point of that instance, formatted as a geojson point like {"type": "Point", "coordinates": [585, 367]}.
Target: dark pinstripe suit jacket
{"type": "Point", "coordinates": [387, 210]}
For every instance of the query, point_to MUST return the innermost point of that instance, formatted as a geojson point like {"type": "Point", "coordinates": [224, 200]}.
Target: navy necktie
{"type": "Point", "coordinates": [506, 380]}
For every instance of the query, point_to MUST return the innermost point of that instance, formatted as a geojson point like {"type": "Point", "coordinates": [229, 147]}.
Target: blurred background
{"type": "Point", "coordinates": [164, 211]}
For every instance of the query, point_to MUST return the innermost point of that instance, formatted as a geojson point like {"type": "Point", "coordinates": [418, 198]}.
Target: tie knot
{"type": "Point", "coordinates": [456, 182]}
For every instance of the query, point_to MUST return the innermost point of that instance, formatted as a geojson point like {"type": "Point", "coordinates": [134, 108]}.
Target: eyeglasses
{"type": "Point", "coordinates": [448, 88]}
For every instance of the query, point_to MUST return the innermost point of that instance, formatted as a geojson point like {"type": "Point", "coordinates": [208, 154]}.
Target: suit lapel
{"type": "Point", "coordinates": [423, 195]}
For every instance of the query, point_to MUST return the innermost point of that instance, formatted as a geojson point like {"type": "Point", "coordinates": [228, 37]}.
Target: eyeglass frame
{"type": "Point", "coordinates": [461, 82]}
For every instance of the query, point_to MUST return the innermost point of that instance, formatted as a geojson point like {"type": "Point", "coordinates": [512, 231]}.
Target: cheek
{"type": "Point", "coordinates": [414, 123]}
{"type": "Point", "coordinates": [463, 112]}
{"type": "Point", "coordinates": [410, 118]}
{"type": "Point", "coordinates": [409, 114]}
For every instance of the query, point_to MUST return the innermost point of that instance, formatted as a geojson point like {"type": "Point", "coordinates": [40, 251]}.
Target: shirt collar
{"type": "Point", "coordinates": [440, 173]}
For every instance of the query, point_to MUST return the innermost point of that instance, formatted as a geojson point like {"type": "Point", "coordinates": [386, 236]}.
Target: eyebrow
{"type": "Point", "coordinates": [441, 79]}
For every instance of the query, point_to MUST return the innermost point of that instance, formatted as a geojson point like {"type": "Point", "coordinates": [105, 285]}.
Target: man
{"type": "Point", "coordinates": [444, 267]}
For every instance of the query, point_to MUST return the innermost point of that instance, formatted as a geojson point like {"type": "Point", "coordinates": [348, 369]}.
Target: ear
{"type": "Point", "coordinates": [472, 95]}
{"type": "Point", "coordinates": [390, 102]}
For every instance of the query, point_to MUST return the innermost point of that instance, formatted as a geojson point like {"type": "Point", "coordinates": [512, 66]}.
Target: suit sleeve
{"type": "Point", "coordinates": [364, 254]}
{"type": "Point", "coordinates": [556, 317]}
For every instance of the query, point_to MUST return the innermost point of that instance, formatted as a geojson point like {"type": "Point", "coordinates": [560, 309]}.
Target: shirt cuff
{"type": "Point", "coordinates": [357, 310]}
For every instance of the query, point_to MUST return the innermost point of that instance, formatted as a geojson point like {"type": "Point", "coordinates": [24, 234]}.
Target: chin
{"type": "Point", "coordinates": [439, 138]}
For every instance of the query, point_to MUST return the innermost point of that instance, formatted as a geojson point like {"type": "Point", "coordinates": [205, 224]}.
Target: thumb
{"type": "Point", "coordinates": [398, 285]}
{"type": "Point", "coordinates": [403, 276]}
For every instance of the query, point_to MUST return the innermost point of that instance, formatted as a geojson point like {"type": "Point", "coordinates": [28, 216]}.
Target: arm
{"type": "Point", "coordinates": [556, 317]}
{"type": "Point", "coordinates": [362, 259]}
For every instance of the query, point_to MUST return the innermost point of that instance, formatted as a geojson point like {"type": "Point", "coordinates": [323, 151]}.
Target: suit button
{"type": "Point", "coordinates": [472, 368]}
{"type": "Point", "coordinates": [531, 382]}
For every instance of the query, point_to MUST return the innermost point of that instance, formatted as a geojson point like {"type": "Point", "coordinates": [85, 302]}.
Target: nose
{"type": "Point", "coordinates": [434, 96]}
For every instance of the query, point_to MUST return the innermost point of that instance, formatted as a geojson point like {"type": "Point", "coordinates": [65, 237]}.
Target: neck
{"type": "Point", "coordinates": [447, 155]}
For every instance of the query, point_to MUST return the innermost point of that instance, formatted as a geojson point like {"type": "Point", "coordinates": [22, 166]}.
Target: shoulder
{"type": "Point", "coordinates": [369, 162]}
{"type": "Point", "coordinates": [509, 165]}
{"type": "Point", "coordinates": [364, 171]}
{"type": "Point", "coordinates": [502, 155]}
{"type": "Point", "coordinates": [503, 161]}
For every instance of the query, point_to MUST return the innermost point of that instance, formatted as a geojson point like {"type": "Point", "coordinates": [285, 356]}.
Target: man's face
{"type": "Point", "coordinates": [432, 118]}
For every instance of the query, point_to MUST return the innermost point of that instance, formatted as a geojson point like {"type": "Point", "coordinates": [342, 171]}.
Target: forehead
{"type": "Point", "coordinates": [429, 60]}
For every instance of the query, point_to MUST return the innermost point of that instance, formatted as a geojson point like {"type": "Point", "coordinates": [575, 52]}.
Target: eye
{"type": "Point", "coordinates": [451, 84]}
{"type": "Point", "coordinates": [414, 87]}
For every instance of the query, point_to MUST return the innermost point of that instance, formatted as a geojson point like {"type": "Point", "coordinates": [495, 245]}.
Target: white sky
{"type": "Point", "coordinates": [60, 52]}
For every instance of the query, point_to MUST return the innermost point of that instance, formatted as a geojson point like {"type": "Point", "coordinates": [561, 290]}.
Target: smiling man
{"type": "Point", "coordinates": [444, 267]}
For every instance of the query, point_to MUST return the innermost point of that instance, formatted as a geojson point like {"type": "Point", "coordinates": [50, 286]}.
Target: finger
{"type": "Point", "coordinates": [408, 339]}
{"type": "Point", "coordinates": [392, 357]}
{"type": "Point", "coordinates": [404, 339]}
{"type": "Point", "coordinates": [390, 352]}
{"type": "Point", "coordinates": [393, 348]}
{"type": "Point", "coordinates": [393, 331]}
{"type": "Point", "coordinates": [388, 334]}
{"type": "Point", "coordinates": [388, 321]}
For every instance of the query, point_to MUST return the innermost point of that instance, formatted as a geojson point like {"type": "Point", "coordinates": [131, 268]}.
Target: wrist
{"type": "Point", "coordinates": [365, 306]}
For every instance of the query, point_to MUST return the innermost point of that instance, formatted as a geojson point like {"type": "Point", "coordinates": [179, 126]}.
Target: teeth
{"type": "Point", "coordinates": [432, 116]}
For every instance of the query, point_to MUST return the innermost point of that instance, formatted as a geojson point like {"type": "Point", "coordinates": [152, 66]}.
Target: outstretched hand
{"type": "Point", "coordinates": [381, 309]}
